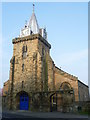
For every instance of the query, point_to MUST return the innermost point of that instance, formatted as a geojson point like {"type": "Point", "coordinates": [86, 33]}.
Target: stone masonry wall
{"type": "Point", "coordinates": [28, 74]}
{"type": "Point", "coordinates": [61, 77]}
{"type": "Point", "coordinates": [83, 91]}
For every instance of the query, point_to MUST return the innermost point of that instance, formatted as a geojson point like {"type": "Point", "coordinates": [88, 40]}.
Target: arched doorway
{"type": "Point", "coordinates": [67, 97]}
{"type": "Point", "coordinates": [22, 100]}
{"type": "Point", "coordinates": [53, 102]}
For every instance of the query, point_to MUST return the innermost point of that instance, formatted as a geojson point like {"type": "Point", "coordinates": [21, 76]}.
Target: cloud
{"type": "Point", "coordinates": [70, 58]}
{"type": "Point", "coordinates": [75, 63]}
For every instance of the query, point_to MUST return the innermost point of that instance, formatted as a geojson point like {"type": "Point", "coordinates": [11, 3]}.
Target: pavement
{"type": "Point", "coordinates": [19, 115]}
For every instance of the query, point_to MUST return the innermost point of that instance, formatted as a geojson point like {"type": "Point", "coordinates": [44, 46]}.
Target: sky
{"type": "Point", "coordinates": [67, 28]}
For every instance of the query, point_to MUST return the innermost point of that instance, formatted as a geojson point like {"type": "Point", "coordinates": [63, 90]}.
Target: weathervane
{"type": "Point", "coordinates": [33, 7]}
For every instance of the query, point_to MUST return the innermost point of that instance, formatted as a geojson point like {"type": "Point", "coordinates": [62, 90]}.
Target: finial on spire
{"type": "Point", "coordinates": [33, 7]}
{"type": "Point", "coordinates": [25, 23]}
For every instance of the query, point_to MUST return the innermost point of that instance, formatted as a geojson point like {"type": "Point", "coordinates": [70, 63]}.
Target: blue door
{"type": "Point", "coordinates": [24, 102]}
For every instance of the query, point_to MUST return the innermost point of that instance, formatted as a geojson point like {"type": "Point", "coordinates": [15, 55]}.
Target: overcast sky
{"type": "Point", "coordinates": [67, 28]}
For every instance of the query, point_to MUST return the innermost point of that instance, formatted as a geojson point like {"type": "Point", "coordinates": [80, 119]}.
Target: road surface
{"type": "Point", "coordinates": [27, 115]}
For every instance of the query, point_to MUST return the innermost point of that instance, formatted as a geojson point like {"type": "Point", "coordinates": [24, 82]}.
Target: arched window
{"type": "Point", "coordinates": [65, 86]}
{"type": "Point", "coordinates": [22, 67]}
{"type": "Point", "coordinates": [42, 51]}
{"type": "Point", "coordinates": [24, 51]}
{"type": "Point", "coordinates": [22, 84]}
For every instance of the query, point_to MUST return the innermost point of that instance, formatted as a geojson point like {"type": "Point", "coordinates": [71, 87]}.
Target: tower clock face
{"type": "Point", "coordinates": [25, 32]}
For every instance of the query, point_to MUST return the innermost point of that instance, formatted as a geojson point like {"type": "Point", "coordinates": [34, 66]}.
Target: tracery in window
{"type": "Point", "coordinates": [65, 86]}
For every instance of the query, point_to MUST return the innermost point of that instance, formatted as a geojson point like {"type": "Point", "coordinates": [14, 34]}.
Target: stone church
{"type": "Point", "coordinates": [35, 83]}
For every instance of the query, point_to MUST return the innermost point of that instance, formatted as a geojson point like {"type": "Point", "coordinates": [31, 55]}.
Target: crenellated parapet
{"type": "Point", "coordinates": [31, 37]}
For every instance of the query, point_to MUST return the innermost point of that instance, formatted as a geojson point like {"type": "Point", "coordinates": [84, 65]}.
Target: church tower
{"type": "Point", "coordinates": [29, 71]}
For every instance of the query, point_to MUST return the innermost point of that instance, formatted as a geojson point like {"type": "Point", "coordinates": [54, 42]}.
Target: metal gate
{"type": "Point", "coordinates": [53, 102]}
{"type": "Point", "coordinates": [24, 101]}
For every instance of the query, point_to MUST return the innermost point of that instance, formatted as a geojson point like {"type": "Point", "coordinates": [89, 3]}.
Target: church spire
{"type": "Point", "coordinates": [32, 26]}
